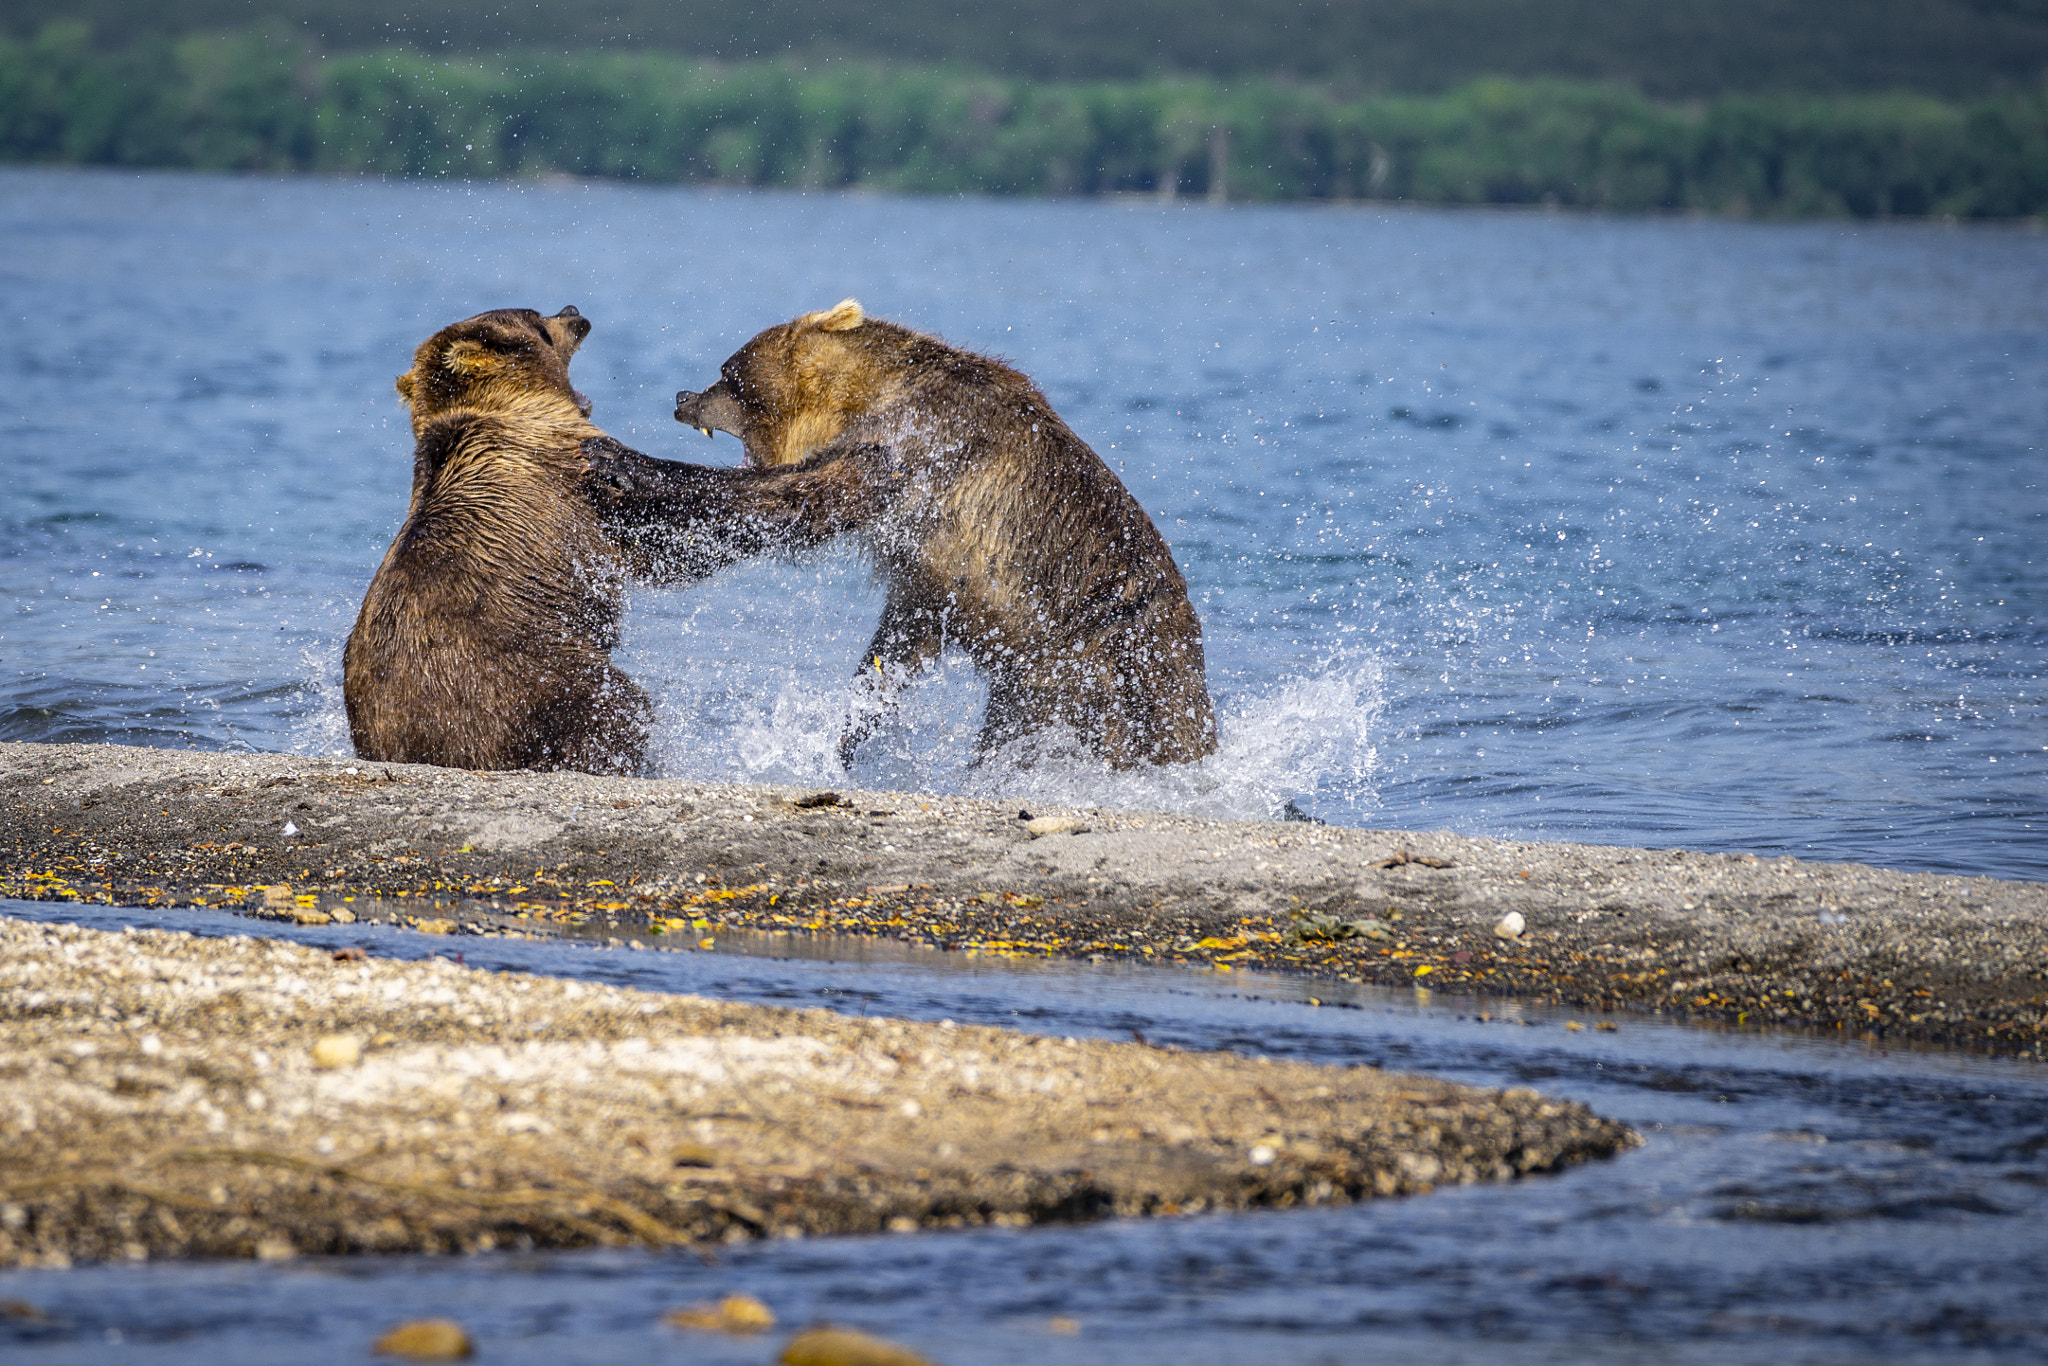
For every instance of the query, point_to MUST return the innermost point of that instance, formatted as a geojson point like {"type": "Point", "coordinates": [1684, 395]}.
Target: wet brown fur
{"type": "Point", "coordinates": [999, 531]}
{"type": "Point", "coordinates": [484, 640]}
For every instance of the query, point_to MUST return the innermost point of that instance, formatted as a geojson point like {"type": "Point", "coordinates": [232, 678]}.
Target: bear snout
{"type": "Point", "coordinates": [686, 409]}
{"type": "Point", "coordinates": [575, 322]}
{"type": "Point", "coordinates": [714, 409]}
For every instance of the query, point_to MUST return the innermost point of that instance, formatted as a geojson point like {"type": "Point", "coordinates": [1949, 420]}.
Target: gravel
{"type": "Point", "coordinates": [168, 1095]}
{"type": "Point", "coordinates": [1846, 949]}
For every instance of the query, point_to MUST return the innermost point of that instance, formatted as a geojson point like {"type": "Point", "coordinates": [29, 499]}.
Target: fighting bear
{"type": "Point", "coordinates": [997, 529]}
{"type": "Point", "coordinates": [485, 638]}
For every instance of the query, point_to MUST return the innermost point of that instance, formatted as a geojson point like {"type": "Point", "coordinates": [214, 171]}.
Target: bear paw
{"type": "Point", "coordinates": [612, 467]}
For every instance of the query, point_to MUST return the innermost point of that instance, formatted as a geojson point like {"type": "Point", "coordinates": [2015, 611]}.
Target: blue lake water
{"type": "Point", "coordinates": [1662, 532]}
{"type": "Point", "coordinates": [1797, 1201]}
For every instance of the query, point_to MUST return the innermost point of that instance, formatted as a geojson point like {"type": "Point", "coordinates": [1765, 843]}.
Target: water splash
{"type": "Point", "coordinates": [321, 725]}
{"type": "Point", "coordinates": [1310, 737]}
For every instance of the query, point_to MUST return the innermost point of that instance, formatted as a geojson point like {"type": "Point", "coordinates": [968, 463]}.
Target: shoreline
{"type": "Point", "coordinates": [1731, 939]}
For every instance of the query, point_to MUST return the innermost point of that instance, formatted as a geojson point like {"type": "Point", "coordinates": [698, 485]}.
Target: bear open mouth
{"type": "Point", "coordinates": [713, 410]}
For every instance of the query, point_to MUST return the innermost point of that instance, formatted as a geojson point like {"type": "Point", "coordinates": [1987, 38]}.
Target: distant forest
{"type": "Point", "coordinates": [1962, 50]}
{"type": "Point", "coordinates": [265, 99]}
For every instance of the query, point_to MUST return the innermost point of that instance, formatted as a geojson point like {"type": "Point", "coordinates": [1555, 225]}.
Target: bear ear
{"type": "Point", "coordinates": [843, 316]}
{"type": "Point", "coordinates": [470, 358]}
{"type": "Point", "coordinates": [404, 385]}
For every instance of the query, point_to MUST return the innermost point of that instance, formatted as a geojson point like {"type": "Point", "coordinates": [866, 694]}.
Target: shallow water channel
{"type": "Point", "coordinates": [1798, 1200]}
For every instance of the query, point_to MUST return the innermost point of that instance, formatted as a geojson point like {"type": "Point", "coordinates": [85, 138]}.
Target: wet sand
{"type": "Point", "coordinates": [168, 1095]}
{"type": "Point", "coordinates": [1729, 938]}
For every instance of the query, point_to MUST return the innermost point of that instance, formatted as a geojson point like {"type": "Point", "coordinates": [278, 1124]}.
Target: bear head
{"type": "Point", "coordinates": [498, 361]}
{"type": "Point", "coordinates": [794, 387]}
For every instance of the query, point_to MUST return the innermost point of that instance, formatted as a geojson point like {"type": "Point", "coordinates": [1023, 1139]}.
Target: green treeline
{"type": "Point", "coordinates": [261, 101]}
{"type": "Point", "coordinates": [1672, 49]}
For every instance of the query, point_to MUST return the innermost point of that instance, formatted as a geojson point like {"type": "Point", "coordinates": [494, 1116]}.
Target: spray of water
{"type": "Point", "coordinates": [1287, 741]}
{"type": "Point", "coordinates": [752, 680]}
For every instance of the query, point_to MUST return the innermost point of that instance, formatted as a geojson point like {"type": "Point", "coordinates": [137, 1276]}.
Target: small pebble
{"type": "Point", "coordinates": [1510, 926]}
{"type": "Point", "coordinates": [426, 1340]}
{"type": "Point", "coordinates": [845, 1347]}
{"type": "Point", "coordinates": [336, 1051]}
{"type": "Point", "coordinates": [733, 1314]}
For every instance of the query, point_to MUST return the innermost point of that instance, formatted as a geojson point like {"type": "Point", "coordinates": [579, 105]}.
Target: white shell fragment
{"type": "Point", "coordinates": [1056, 825]}
{"type": "Point", "coordinates": [1510, 926]}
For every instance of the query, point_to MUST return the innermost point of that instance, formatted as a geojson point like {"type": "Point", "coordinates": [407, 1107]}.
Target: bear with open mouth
{"type": "Point", "coordinates": [996, 528]}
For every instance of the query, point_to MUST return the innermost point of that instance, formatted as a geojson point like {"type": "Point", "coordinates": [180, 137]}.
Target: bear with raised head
{"type": "Point", "coordinates": [485, 638]}
{"type": "Point", "coordinates": [996, 528]}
